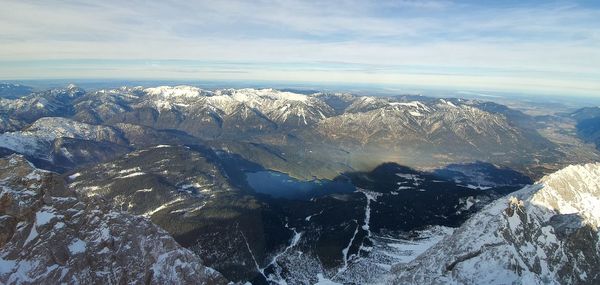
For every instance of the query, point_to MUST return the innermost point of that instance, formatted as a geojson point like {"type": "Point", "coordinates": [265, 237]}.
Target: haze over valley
{"type": "Point", "coordinates": [299, 142]}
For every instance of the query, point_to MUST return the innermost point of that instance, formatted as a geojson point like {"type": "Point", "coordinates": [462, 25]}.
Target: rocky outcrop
{"type": "Point", "coordinates": [543, 234]}
{"type": "Point", "coordinates": [50, 236]}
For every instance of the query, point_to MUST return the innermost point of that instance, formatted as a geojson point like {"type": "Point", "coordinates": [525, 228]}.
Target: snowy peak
{"type": "Point", "coordinates": [72, 87]}
{"type": "Point", "coordinates": [280, 107]}
{"type": "Point", "coordinates": [413, 104]}
{"type": "Point", "coordinates": [365, 104]}
{"type": "Point", "coordinates": [36, 139]}
{"type": "Point", "coordinates": [72, 90]}
{"type": "Point", "coordinates": [56, 127]}
{"type": "Point", "coordinates": [448, 103]}
{"type": "Point", "coordinates": [14, 91]}
{"type": "Point", "coordinates": [546, 233]}
{"type": "Point", "coordinates": [239, 95]}
{"type": "Point", "coordinates": [176, 91]}
{"type": "Point", "coordinates": [247, 94]}
{"type": "Point", "coordinates": [572, 190]}
{"type": "Point", "coordinates": [418, 123]}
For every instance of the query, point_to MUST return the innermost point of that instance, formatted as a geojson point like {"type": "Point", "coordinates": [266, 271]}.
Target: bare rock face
{"type": "Point", "coordinates": [50, 236]}
{"type": "Point", "coordinates": [546, 233]}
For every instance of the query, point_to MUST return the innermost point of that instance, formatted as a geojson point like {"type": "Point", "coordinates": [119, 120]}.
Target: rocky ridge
{"type": "Point", "coordinates": [546, 233]}
{"type": "Point", "coordinates": [51, 236]}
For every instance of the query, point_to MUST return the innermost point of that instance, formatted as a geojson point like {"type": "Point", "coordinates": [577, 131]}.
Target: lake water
{"type": "Point", "coordinates": [281, 185]}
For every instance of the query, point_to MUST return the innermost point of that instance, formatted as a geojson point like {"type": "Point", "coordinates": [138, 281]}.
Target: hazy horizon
{"type": "Point", "coordinates": [533, 46]}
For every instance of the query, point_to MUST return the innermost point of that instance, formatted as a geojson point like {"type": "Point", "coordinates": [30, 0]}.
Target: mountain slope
{"type": "Point", "coordinates": [61, 141]}
{"type": "Point", "coordinates": [430, 133]}
{"type": "Point", "coordinates": [588, 124]}
{"type": "Point", "coordinates": [50, 103]}
{"type": "Point", "coordinates": [346, 131]}
{"type": "Point", "coordinates": [543, 234]}
{"type": "Point", "coordinates": [237, 112]}
{"type": "Point", "coordinates": [50, 236]}
{"type": "Point", "coordinates": [99, 106]}
{"type": "Point", "coordinates": [187, 192]}
{"type": "Point", "coordinates": [415, 122]}
{"type": "Point", "coordinates": [14, 91]}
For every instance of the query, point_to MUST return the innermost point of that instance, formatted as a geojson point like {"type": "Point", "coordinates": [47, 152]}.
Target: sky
{"type": "Point", "coordinates": [516, 46]}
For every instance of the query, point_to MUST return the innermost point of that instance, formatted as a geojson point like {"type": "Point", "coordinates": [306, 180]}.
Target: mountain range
{"type": "Point", "coordinates": [283, 187]}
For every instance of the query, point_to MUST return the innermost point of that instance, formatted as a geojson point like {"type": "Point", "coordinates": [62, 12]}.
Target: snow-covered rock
{"type": "Point", "coordinates": [50, 236]}
{"type": "Point", "coordinates": [37, 139]}
{"type": "Point", "coordinates": [53, 102]}
{"type": "Point", "coordinates": [177, 91]}
{"type": "Point", "coordinates": [546, 233]}
{"type": "Point", "coordinates": [280, 107]}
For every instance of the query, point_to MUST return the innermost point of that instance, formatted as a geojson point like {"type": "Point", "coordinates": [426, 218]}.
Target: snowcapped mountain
{"type": "Point", "coordinates": [279, 187]}
{"type": "Point", "coordinates": [417, 122]}
{"type": "Point", "coordinates": [366, 103]}
{"type": "Point", "coordinates": [37, 139]}
{"type": "Point", "coordinates": [99, 106]}
{"type": "Point", "coordinates": [53, 102]}
{"type": "Point", "coordinates": [285, 108]}
{"type": "Point", "coordinates": [231, 111]}
{"type": "Point", "coordinates": [415, 128]}
{"type": "Point", "coordinates": [51, 236]}
{"type": "Point", "coordinates": [14, 91]}
{"type": "Point", "coordinates": [431, 132]}
{"type": "Point", "coordinates": [546, 233]}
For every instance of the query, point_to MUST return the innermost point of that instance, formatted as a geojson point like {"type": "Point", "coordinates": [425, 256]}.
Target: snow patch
{"type": "Point", "coordinates": [44, 216]}
{"type": "Point", "coordinates": [77, 246]}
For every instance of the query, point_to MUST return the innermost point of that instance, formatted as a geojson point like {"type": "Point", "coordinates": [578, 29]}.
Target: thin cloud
{"type": "Point", "coordinates": [469, 41]}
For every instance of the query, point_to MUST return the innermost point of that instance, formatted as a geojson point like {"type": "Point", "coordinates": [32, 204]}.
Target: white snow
{"type": "Point", "coordinates": [6, 266]}
{"type": "Point", "coordinates": [124, 171]}
{"type": "Point", "coordinates": [404, 251]}
{"type": "Point", "coordinates": [324, 281]}
{"type": "Point", "coordinates": [36, 140]}
{"type": "Point", "coordinates": [191, 209]}
{"type": "Point", "coordinates": [448, 103]}
{"type": "Point", "coordinates": [278, 106]}
{"type": "Point", "coordinates": [477, 187]}
{"type": "Point", "coordinates": [260, 270]}
{"type": "Point", "coordinates": [412, 104]}
{"type": "Point", "coordinates": [32, 235]}
{"type": "Point", "coordinates": [276, 278]}
{"type": "Point", "coordinates": [131, 175]}
{"type": "Point", "coordinates": [517, 230]}
{"type": "Point", "coordinates": [346, 249]}
{"type": "Point", "coordinates": [164, 206]}
{"type": "Point", "coordinates": [77, 246]}
{"type": "Point", "coordinates": [44, 216]}
{"type": "Point", "coordinates": [562, 192]}
{"type": "Point", "coordinates": [414, 177]}
{"type": "Point", "coordinates": [162, 146]}
{"type": "Point", "coordinates": [177, 91]}
{"type": "Point", "coordinates": [75, 175]}
{"type": "Point", "coordinates": [310, 217]}
{"type": "Point", "coordinates": [248, 94]}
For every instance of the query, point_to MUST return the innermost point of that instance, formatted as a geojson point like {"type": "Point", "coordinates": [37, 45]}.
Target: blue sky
{"type": "Point", "coordinates": [524, 46]}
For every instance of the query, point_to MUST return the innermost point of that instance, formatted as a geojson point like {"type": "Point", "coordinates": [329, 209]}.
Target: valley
{"type": "Point", "coordinates": [276, 187]}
